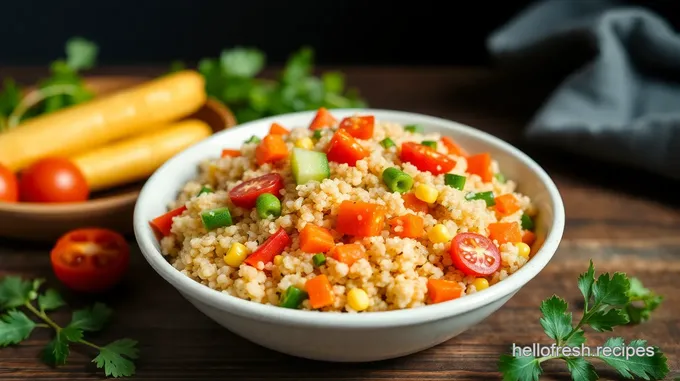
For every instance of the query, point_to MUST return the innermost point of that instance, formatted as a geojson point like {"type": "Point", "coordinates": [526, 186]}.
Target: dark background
{"type": "Point", "coordinates": [422, 32]}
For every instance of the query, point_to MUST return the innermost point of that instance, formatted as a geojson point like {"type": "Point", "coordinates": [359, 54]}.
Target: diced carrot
{"type": "Point", "coordinates": [453, 147]}
{"type": "Point", "coordinates": [441, 290]}
{"type": "Point", "coordinates": [480, 165]}
{"type": "Point", "coordinates": [414, 203]}
{"type": "Point", "coordinates": [349, 253]}
{"type": "Point", "coordinates": [162, 224]}
{"type": "Point", "coordinates": [320, 291]}
{"type": "Point", "coordinates": [529, 237]}
{"type": "Point", "coordinates": [272, 148]}
{"type": "Point", "coordinates": [504, 232]}
{"type": "Point", "coordinates": [315, 239]}
{"type": "Point", "coordinates": [361, 219]}
{"type": "Point", "coordinates": [323, 118]}
{"type": "Point", "coordinates": [507, 204]}
{"type": "Point", "coordinates": [407, 226]}
{"type": "Point", "coordinates": [277, 129]}
{"type": "Point", "coordinates": [344, 149]}
{"type": "Point", "coordinates": [231, 153]}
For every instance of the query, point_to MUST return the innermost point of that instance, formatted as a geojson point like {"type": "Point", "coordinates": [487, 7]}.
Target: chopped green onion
{"type": "Point", "coordinates": [317, 134]}
{"type": "Point", "coordinates": [455, 181]}
{"type": "Point", "coordinates": [293, 297]}
{"type": "Point", "coordinates": [204, 190]}
{"type": "Point", "coordinates": [216, 218]}
{"type": "Point", "coordinates": [414, 128]}
{"type": "Point", "coordinates": [253, 139]}
{"type": "Point", "coordinates": [500, 177]}
{"type": "Point", "coordinates": [486, 196]}
{"type": "Point", "coordinates": [267, 205]}
{"type": "Point", "coordinates": [396, 180]}
{"type": "Point", "coordinates": [387, 143]}
{"type": "Point", "coordinates": [527, 222]}
{"type": "Point", "coordinates": [429, 143]}
{"type": "Point", "coordinates": [319, 260]}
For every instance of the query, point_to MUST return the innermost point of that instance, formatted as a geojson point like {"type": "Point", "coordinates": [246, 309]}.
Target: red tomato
{"type": "Point", "coordinates": [425, 158]}
{"type": "Point", "coordinates": [322, 119]}
{"type": "Point", "coordinates": [9, 187]}
{"type": "Point", "coordinates": [474, 254]}
{"type": "Point", "coordinates": [246, 193]}
{"type": "Point", "coordinates": [90, 259]}
{"type": "Point", "coordinates": [361, 127]}
{"type": "Point", "coordinates": [53, 179]}
{"type": "Point", "coordinates": [343, 148]}
{"type": "Point", "coordinates": [162, 224]}
{"type": "Point", "coordinates": [273, 246]}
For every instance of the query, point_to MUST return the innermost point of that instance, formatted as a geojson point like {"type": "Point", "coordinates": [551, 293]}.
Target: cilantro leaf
{"type": "Point", "coordinates": [81, 54]}
{"type": "Point", "coordinates": [72, 334]}
{"type": "Point", "coordinates": [523, 368]}
{"type": "Point", "coordinates": [91, 319]}
{"type": "Point", "coordinates": [585, 282]}
{"type": "Point", "coordinates": [298, 66]}
{"type": "Point", "coordinates": [642, 302]}
{"type": "Point", "coordinates": [50, 300]}
{"type": "Point", "coordinates": [15, 327]}
{"type": "Point", "coordinates": [10, 97]}
{"type": "Point", "coordinates": [606, 320]}
{"type": "Point", "coordinates": [556, 321]}
{"type": "Point", "coordinates": [56, 352]}
{"type": "Point", "coordinates": [242, 62]}
{"type": "Point", "coordinates": [645, 362]}
{"type": "Point", "coordinates": [14, 292]}
{"type": "Point", "coordinates": [581, 369]}
{"type": "Point", "coordinates": [116, 358]}
{"type": "Point", "coordinates": [612, 290]}
{"type": "Point", "coordinates": [333, 82]}
{"type": "Point", "coordinates": [576, 339]}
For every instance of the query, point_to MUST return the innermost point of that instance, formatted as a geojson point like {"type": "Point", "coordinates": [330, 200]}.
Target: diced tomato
{"type": "Point", "coordinates": [322, 119]}
{"type": "Point", "coordinates": [230, 153]}
{"type": "Point", "coordinates": [407, 226]}
{"type": "Point", "coordinates": [474, 254]}
{"type": "Point", "coordinates": [162, 224]}
{"type": "Point", "coordinates": [349, 253]}
{"type": "Point", "coordinates": [360, 219]}
{"type": "Point", "coordinates": [453, 147]}
{"type": "Point", "coordinates": [273, 246]}
{"type": "Point", "coordinates": [245, 194]}
{"type": "Point", "coordinates": [277, 129]}
{"type": "Point", "coordinates": [504, 232]}
{"type": "Point", "coordinates": [529, 237]}
{"type": "Point", "coordinates": [414, 203]}
{"type": "Point", "coordinates": [272, 148]}
{"type": "Point", "coordinates": [343, 148]}
{"type": "Point", "coordinates": [425, 158]}
{"type": "Point", "coordinates": [360, 127]}
{"type": "Point", "coordinates": [480, 165]}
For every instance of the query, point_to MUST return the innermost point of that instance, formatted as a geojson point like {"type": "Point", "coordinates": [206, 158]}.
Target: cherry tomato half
{"type": "Point", "coordinates": [425, 158]}
{"type": "Point", "coordinates": [90, 259]}
{"type": "Point", "coordinates": [9, 186]}
{"type": "Point", "coordinates": [360, 127]}
{"type": "Point", "coordinates": [246, 193]}
{"type": "Point", "coordinates": [474, 254]}
{"type": "Point", "coordinates": [53, 179]}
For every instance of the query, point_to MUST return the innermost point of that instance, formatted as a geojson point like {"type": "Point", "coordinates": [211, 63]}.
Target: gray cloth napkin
{"type": "Point", "coordinates": [617, 107]}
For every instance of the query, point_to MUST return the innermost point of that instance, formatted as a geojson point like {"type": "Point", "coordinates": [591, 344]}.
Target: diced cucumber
{"type": "Point", "coordinates": [309, 165]}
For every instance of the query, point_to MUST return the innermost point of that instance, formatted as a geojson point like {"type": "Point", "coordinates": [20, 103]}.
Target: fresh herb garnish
{"type": "Point", "coordinates": [116, 358]}
{"type": "Point", "coordinates": [232, 79]}
{"type": "Point", "coordinates": [64, 87]}
{"type": "Point", "coordinates": [607, 300]}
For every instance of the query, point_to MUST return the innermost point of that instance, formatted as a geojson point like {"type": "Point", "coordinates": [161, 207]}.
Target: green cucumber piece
{"type": "Point", "coordinates": [308, 165]}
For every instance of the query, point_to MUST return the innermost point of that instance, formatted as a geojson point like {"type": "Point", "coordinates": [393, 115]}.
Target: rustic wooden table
{"type": "Point", "coordinates": [622, 222]}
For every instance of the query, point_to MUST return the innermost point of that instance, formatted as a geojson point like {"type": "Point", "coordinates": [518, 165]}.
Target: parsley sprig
{"type": "Point", "coordinates": [116, 358]}
{"type": "Point", "coordinates": [609, 302]}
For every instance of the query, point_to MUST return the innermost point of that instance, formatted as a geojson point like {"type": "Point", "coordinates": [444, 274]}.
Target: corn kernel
{"type": "Point", "coordinates": [236, 255]}
{"type": "Point", "coordinates": [480, 284]}
{"type": "Point", "coordinates": [426, 193]}
{"type": "Point", "coordinates": [439, 234]}
{"type": "Point", "coordinates": [305, 143]}
{"type": "Point", "coordinates": [278, 260]}
{"type": "Point", "coordinates": [358, 299]}
{"type": "Point", "coordinates": [523, 249]}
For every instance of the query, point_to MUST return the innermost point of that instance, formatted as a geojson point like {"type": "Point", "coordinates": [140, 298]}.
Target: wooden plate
{"type": "Point", "coordinates": [110, 209]}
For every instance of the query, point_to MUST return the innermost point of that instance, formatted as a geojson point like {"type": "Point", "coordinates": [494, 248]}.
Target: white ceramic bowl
{"type": "Point", "coordinates": [344, 337]}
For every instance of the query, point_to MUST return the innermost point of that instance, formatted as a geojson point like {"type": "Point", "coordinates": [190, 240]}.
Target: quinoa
{"type": "Point", "coordinates": [394, 272]}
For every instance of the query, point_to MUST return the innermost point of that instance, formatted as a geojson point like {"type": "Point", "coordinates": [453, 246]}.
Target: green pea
{"type": "Point", "coordinates": [268, 205]}
{"type": "Point", "coordinates": [396, 180]}
{"type": "Point", "coordinates": [317, 134]}
{"type": "Point", "coordinates": [318, 260]}
{"type": "Point", "coordinates": [387, 143]}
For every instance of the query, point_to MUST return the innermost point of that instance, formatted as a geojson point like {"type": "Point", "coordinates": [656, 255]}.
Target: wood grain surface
{"type": "Point", "coordinates": [624, 219]}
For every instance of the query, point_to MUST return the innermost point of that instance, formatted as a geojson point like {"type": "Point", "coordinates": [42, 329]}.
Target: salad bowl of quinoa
{"type": "Point", "coordinates": [349, 235]}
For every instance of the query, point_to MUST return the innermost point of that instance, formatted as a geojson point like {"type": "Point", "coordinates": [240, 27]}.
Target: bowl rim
{"type": "Point", "coordinates": [191, 289]}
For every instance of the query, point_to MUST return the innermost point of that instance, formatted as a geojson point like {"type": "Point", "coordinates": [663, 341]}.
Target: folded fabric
{"type": "Point", "coordinates": [624, 105]}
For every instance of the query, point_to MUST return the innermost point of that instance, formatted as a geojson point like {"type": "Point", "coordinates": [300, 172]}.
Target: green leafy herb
{"type": "Point", "coordinates": [233, 78]}
{"type": "Point", "coordinates": [64, 87]}
{"type": "Point", "coordinates": [607, 300]}
{"type": "Point", "coordinates": [115, 358]}
{"type": "Point", "coordinates": [642, 302]}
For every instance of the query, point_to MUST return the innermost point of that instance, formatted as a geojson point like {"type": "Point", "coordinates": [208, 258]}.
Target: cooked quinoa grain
{"type": "Point", "coordinates": [394, 245]}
